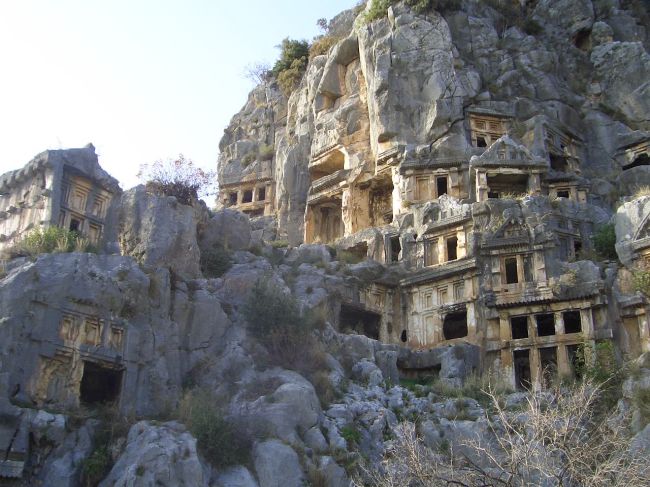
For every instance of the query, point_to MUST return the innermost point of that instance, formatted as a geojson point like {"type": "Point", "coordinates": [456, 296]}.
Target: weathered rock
{"type": "Point", "coordinates": [162, 455]}
{"type": "Point", "coordinates": [158, 231]}
{"type": "Point", "coordinates": [228, 228]}
{"type": "Point", "coordinates": [277, 465]}
{"type": "Point", "coordinates": [235, 477]}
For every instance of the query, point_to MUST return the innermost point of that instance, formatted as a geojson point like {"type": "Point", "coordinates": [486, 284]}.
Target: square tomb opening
{"type": "Point", "coordinates": [359, 321]}
{"type": "Point", "coordinates": [100, 384]}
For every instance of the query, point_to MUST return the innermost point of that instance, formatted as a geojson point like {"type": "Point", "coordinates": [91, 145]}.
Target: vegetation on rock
{"type": "Point", "coordinates": [218, 439]}
{"type": "Point", "coordinates": [605, 241]}
{"type": "Point", "coordinates": [51, 240]}
{"type": "Point", "coordinates": [178, 177]}
{"type": "Point", "coordinates": [215, 261]}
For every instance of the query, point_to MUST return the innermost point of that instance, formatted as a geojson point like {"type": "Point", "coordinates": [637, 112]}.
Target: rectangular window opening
{"type": "Point", "coordinates": [519, 327]}
{"type": "Point", "coordinates": [512, 276]}
{"type": "Point", "coordinates": [395, 249]}
{"type": "Point", "coordinates": [441, 185]}
{"type": "Point", "coordinates": [248, 196]}
{"type": "Point", "coordinates": [563, 193]}
{"type": "Point", "coordinates": [261, 194]}
{"type": "Point", "coordinates": [545, 324]}
{"type": "Point", "coordinates": [572, 322]}
{"type": "Point", "coordinates": [521, 362]}
{"type": "Point", "coordinates": [548, 363]}
{"type": "Point", "coordinates": [431, 251]}
{"type": "Point", "coordinates": [480, 141]}
{"type": "Point", "coordinates": [452, 248]}
{"type": "Point", "coordinates": [232, 198]}
{"type": "Point", "coordinates": [493, 195]}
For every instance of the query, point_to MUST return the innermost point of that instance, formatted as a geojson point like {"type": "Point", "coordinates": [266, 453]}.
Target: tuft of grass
{"type": "Point", "coordinates": [51, 240]}
{"type": "Point", "coordinates": [641, 191]}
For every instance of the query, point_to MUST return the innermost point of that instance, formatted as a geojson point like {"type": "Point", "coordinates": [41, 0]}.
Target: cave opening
{"type": "Point", "coordinates": [100, 384]}
{"type": "Point", "coordinates": [455, 325]}
{"type": "Point", "coordinates": [359, 321]}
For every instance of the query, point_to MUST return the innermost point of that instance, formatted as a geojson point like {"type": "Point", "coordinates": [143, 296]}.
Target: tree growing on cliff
{"type": "Point", "coordinates": [178, 177]}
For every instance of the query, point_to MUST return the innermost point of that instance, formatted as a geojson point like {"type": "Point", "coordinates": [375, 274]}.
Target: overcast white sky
{"type": "Point", "coordinates": [140, 79]}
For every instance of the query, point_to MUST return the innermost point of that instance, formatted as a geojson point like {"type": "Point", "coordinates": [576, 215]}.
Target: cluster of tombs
{"type": "Point", "coordinates": [477, 271]}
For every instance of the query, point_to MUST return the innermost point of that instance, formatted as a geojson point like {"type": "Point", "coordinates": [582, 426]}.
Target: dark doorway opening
{"type": "Point", "coordinates": [577, 248]}
{"type": "Point", "coordinates": [582, 39]}
{"type": "Point", "coordinates": [481, 142]}
{"type": "Point", "coordinates": [493, 195]}
{"type": "Point", "coordinates": [563, 193]}
{"type": "Point", "coordinates": [248, 196]}
{"type": "Point", "coordinates": [519, 326]}
{"type": "Point", "coordinates": [572, 322]}
{"type": "Point", "coordinates": [232, 198]}
{"type": "Point", "coordinates": [545, 324]}
{"type": "Point", "coordinates": [395, 249]}
{"type": "Point", "coordinates": [559, 163]}
{"type": "Point", "coordinates": [441, 185]}
{"type": "Point", "coordinates": [455, 325]}
{"type": "Point", "coordinates": [575, 360]}
{"type": "Point", "coordinates": [403, 336]}
{"type": "Point", "coordinates": [452, 248]}
{"type": "Point", "coordinates": [261, 194]}
{"type": "Point", "coordinates": [511, 270]}
{"type": "Point", "coordinates": [521, 362]}
{"type": "Point", "coordinates": [75, 225]}
{"type": "Point", "coordinates": [99, 384]}
{"type": "Point", "coordinates": [548, 362]}
{"type": "Point", "coordinates": [359, 321]}
{"type": "Point", "coordinates": [642, 160]}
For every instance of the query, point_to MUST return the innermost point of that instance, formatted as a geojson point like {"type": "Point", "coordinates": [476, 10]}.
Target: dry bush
{"type": "Point", "coordinates": [559, 439]}
{"type": "Point", "coordinates": [179, 178]}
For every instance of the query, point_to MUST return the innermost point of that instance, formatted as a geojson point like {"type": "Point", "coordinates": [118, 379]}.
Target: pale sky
{"type": "Point", "coordinates": [140, 79]}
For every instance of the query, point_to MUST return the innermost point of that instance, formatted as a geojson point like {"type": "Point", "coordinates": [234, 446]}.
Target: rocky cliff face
{"type": "Point", "coordinates": [478, 174]}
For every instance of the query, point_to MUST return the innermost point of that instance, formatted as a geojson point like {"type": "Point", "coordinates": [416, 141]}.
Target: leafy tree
{"type": "Point", "coordinates": [291, 51]}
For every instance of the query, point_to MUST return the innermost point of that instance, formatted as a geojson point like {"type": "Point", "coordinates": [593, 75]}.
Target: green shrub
{"type": "Point", "coordinates": [279, 244]}
{"type": "Point", "coordinates": [605, 241]}
{"type": "Point", "coordinates": [248, 159]}
{"type": "Point", "coordinates": [275, 320]}
{"type": "Point", "coordinates": [322, 45]}
{"type": "Point", "coordinates": [351, 435]}
{"type": "Point", "coordinates": [598, 363]}
{"type": "Point", "coordinates": [379, 8]}
{"type": "Point", "coordinates": [289, 79]}
{"type": "Point", "coordinates": [96, 466]}
{"type": "Point", "coordinates": [641, 280]}
{"type": "Point", "coordinates": [291, 50]}
{"type": "Point", "coordinates": [51, 240]}
{"type": "Point", "coordinates": [531, 27]}
{"type": "Point", "coordinates": [112, 426]}
{"type": "Point", "coordinates": [215, 261]}
{"type": "Point", "coordinates": [221, 442]}
{"type": "Point", "coordinates": [266, 152]}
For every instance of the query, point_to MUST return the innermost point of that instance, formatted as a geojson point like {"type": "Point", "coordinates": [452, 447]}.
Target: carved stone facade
{"type": "Point", "coordinates": [67, 188]}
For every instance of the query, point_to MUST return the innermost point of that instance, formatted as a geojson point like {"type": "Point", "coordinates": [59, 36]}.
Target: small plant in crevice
{"type": "Point", "coordinates": [605, 241]}
{"type": "Point", "coordinates": [215, 261]}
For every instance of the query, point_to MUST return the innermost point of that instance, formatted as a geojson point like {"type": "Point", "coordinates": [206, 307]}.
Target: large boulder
{"type": "Point", "coordinates": [163, 455]}
{"type": "Point", "coordinates": [227, 228]}
{"type": "Point", "coordinates": [158, 231]}
{"type": "Point", "coordinates": [631, 221]}
{"type": "Point", "coordinates": [277, 465]}
{"type": "Point", "coordinates": [622, 69]}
